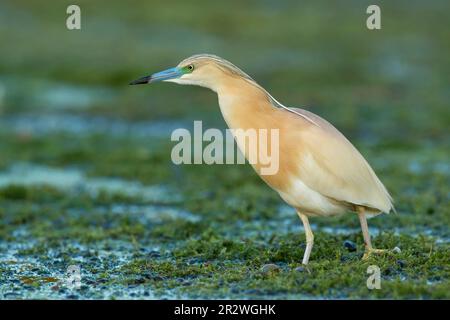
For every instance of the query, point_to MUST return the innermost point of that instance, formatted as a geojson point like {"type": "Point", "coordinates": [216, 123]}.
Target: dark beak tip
{"type": "Point", "coordinates": [143, 80]}
{"type": "Point", "coordinates": [132, 83]}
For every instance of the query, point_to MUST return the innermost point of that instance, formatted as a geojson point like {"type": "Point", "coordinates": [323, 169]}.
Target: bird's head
{"type": "Point", "coordinates": [202, 70]}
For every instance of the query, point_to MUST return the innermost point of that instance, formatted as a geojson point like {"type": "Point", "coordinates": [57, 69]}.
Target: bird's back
{"type": "Point", "coordinates": [332, 166]}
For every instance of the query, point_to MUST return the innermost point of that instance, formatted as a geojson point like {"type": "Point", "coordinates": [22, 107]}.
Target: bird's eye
{"type": "Point", "coordinates": [190, 67]}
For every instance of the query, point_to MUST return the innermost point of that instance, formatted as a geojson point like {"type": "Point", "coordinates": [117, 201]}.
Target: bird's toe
{"type": "Point", "coordinates": [370, 252]}
{"type": "Point", "coordinates": [303, 268]}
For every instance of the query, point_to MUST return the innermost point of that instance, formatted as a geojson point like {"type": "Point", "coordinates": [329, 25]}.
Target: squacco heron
{"type": "Point", "coordinates": [320, 172]}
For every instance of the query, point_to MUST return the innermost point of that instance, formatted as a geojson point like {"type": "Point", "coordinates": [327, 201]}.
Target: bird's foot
{"type": "Point", "coordinates": [369, 252]}
{"type": "Point", "coordinates": [303, 268]}
{"type": "Point", "coordinates": [307, 269]}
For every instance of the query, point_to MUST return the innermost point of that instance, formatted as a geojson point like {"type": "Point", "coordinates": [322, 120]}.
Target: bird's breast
{"type": "Point", "coordinates": [269, 144]}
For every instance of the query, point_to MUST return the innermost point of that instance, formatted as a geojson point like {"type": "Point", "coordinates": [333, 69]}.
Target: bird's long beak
{"type": "Point", "coordinates": [168, 74]}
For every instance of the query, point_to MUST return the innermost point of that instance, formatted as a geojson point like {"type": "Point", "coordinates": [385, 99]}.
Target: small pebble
{"type": "Point", "coordinates": [139, 280]}
{"type": "Point", "coordinates": [390, 271]}
{"type": "Point", "coordinates": [300, 269]}
{"type": "Point", "coordinates": [350, 245]}
{"type": "Point", "coordinates": [401, 263]}
{"type": "Point", "coordinates": [154, 254]}
{"type": "Point", "coordinates": [268, 268]}
{"type": "Point", "coordinates": [396, 250]}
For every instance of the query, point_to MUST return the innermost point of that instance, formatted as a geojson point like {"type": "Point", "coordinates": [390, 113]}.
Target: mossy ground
{"type": "Point", "coordinates": [241, 225]}
{"type": "Point", "coordinates": [92, 184]}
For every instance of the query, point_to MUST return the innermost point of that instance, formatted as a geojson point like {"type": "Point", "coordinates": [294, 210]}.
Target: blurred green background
{"type": "Point", "coordinates": [305, 53]}
{"type": "Point", "coordinates": [67, 112]}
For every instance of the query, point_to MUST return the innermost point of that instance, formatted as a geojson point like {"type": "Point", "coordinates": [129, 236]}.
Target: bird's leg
{"type": "Point", "coordinates": [309, 237]}
{"type": "Point", "coordinates": [365, 230]}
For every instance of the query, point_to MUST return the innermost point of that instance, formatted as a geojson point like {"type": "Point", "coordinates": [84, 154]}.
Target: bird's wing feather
{"type": "Point", "coordinates": [332, 166]}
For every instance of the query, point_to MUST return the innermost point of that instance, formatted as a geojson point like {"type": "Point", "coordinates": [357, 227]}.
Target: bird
{"type": "Point", "coordinates": [321, 173]}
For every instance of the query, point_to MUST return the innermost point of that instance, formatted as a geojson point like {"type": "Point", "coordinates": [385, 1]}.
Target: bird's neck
{"type": "Point", "coordinates": [241, 101]}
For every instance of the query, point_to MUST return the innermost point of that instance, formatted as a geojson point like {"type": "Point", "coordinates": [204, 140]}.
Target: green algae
{"type": "Point", "coordinates": [242, 226]}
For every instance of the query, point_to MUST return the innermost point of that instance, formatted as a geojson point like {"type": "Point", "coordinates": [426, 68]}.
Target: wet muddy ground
{"type": "Point", "coordinates": [140, 228]}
